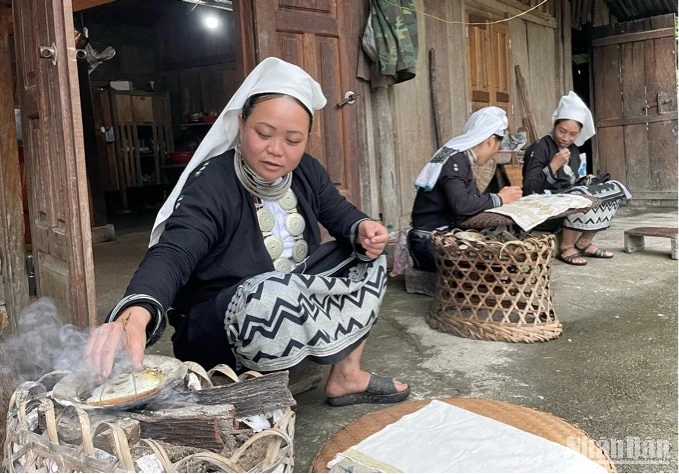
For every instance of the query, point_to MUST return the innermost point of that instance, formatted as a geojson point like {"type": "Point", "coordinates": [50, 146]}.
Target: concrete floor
{"type": "Point", "coordinates": [612, 373]}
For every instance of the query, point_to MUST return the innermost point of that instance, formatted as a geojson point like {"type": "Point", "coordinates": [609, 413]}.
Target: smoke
{"type": "Point", "coordinates": [42, 343]}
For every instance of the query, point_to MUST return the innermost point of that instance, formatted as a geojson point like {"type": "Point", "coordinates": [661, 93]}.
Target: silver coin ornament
{"type": "Point", "coordinates": [300, 250]}
{"type": "Point", "coordinates": [282, 264]}
{"type": "Point", "coordinates": [266, 219]}
{"type": "Point", "coordinates": [294, 224]}
{"type": "Point", "coordinates": [274, 245]}
{"type": "Point", "coordinates": [288, 201]}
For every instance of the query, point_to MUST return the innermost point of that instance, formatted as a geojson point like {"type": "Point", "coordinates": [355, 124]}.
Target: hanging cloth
{"type": "Point", "coordinates": [390, 39]}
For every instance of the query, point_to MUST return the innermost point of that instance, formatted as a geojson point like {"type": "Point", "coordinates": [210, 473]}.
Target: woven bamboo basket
{"type": "Point", "coordinates": [33, 443]}
{"type": "Point", "coordinates": [492, 290]}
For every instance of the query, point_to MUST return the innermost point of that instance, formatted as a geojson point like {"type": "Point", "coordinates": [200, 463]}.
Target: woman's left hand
{"type": "Point", "coordinates": [372, 236]}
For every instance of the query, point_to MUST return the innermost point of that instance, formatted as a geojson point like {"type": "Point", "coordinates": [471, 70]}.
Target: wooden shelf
{"type": "Point", "coordinates": [195, 124]}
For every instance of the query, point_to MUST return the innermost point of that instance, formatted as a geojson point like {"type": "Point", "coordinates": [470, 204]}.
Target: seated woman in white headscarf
{"type": "Point", "coordinates": [236, 252]}
{"type": "Point", "coordinates": [551, 165]}
{"type": "Point", "coordinates": [446, 190]}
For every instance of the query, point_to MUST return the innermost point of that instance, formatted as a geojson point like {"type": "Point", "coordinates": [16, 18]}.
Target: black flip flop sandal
{"type": "Point", "coordinates": [380, 390]}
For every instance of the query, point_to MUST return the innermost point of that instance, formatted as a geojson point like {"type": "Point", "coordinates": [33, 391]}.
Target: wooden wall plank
{"type": "Point", "coordinates": [607, 82]}
{"type": "Point", "coordinates": [612, 153]}
{"type": "Point", "coordinates": [636, 158]}
{"type": "Point", "coordinates": [633, 79]}
{"type": "Point", "coordinates": [662, 155]}
{"type": "Point", "coordinates": [519, 56]}
{"type": "Point", "coordinates": [542, 71]}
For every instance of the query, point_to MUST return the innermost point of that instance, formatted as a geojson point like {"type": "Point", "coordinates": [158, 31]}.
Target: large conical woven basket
{"type": "Point", "coordinates": [494, 291]}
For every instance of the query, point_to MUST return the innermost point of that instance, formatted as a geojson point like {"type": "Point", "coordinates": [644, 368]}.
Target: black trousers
{"type": "Point", "coordinates": [422, 251]}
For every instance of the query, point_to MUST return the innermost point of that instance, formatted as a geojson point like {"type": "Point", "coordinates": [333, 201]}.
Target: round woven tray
{"type": "Point", "coordinates": [527, 419]}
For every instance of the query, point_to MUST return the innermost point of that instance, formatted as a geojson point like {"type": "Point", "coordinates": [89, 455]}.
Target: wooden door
{"type": "Point", "coordinates": [319, 37]}
{"type": "Point", "coordinates": [488, 64]}
{"type": "Point", "coordinates": [635, 106]}
{"type": "Point", "coordinates": [55, 157]}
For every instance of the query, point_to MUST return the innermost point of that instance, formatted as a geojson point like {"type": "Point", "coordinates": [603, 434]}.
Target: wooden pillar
{"type": "Point", "coordinates": [389, 188]}
{"type": "Point", "coordinates": [567, 49]}
{"type": "Point", "coordinates": [12, 251]}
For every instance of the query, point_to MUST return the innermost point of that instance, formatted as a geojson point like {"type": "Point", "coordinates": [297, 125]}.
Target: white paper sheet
{"type": "Point", "coordinates": [444, 438]}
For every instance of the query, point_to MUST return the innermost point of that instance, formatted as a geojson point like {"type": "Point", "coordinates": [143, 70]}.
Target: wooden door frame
{"type": "Point", "coordinates": [12, 250]}
{"type": "Point", "coordinates": [78, 237]}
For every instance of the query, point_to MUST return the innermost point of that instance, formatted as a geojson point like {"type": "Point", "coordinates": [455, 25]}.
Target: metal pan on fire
{"type": "Point", "coordinates": [123, 390]}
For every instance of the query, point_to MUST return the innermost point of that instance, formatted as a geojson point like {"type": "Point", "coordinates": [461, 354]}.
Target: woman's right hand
{"type": "Point", "coordinates": [510, 194]}
{"type": "Point", "coordinates": [128, 331]}
{"type": "Point", "coordinates": [559, 160]}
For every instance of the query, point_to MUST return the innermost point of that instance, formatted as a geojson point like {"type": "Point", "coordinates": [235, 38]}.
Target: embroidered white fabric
{"type": "Point", "coordinates": [279, 229]}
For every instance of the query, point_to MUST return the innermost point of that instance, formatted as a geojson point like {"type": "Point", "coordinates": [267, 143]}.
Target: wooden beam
{"type": "Point", "coordinates": [629, 37]}
{"type": "Point", "coordinates": [501, 8]}
{"type": "Point", "coordinates": [639, 119]}
{"type": "Point", "coordinates": [85, 4]}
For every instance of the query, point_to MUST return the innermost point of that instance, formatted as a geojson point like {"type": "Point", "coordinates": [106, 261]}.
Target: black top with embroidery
{"type": "Point", "coordinates": [538, 176]}
{"type": "Point", "coordinates": [212, 239]}
{"type": "Point", "coordinates": [453, 197]}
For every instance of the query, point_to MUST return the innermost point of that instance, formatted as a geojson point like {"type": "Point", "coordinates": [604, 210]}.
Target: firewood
{"type": "Point", "coordinates": [203, 426]}
{"type": "Point", "coordinates": [253, 396]}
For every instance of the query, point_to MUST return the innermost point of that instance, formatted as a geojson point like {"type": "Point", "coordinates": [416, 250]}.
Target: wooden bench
{"type": "Point", "coordinates": [634, 238]}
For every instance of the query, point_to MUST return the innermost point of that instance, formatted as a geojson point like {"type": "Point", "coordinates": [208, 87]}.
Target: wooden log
{"type": "Point", "coordinates": [523, 90]}
{"type": "Point", "coordinates": [252, 396]}
{"type": "Point", "coordinates": [70, 431]}
{"type": "Point", "coordinates": [8, 383]}
{"type": "Point", "coordinates": [200, 426]}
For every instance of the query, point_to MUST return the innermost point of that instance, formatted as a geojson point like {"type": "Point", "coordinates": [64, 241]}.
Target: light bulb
{"type": "Point", "coordinates": [211, 22]}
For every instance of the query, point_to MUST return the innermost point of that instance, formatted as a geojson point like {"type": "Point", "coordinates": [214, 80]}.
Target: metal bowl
{"type": "Point", "coordinates": [75, 389]}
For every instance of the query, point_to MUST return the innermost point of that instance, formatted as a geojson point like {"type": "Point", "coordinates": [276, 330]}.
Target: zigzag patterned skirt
{"type": "Point", "coordinates": [320, 312]}
{"type": "Point", "coordinates": [610, 193]}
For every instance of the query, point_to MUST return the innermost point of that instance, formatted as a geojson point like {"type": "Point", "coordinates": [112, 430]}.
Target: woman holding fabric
{"type": "Point", "coordinates": [236, 251]}
{"type": "Point", "coordinates": [446, 190]}
{"type": "Point", "coordinates": [551, 165]}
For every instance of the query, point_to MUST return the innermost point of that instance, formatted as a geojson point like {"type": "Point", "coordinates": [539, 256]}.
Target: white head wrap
{"type": "Point", "coordinates": [572, 107]}
{"type": "Point", "coordinates": [271, 75]}
{"type": "Point", "coordinates": [482, 124]}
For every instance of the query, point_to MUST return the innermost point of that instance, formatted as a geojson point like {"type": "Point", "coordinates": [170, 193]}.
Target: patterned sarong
{"type": "Point", "coordinates": [320, 312]}
{"type": "Point", "coordinates": [610, 193]}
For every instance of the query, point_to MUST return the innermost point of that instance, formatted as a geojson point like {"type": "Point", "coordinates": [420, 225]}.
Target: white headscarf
{"type": "Point", "coordinates": [271, 75]}
{"type": "Point", "coordinates": [482, 124]}
{"type": "Point", "coordinates": [572, 107]}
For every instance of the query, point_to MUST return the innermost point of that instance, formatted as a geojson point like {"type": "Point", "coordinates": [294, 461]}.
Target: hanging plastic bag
{"type": "Point", "coordinates": [400, 254]}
